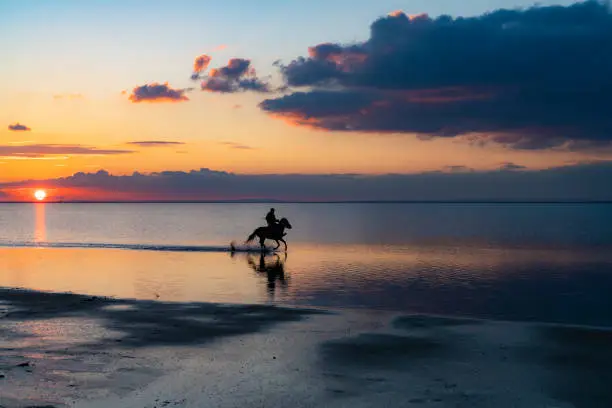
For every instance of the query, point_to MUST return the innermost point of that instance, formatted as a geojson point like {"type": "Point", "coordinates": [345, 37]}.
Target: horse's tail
{"type": "Point", "coordinates": [252, 236]}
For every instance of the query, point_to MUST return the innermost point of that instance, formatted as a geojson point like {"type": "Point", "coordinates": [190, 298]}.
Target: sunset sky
{"type": "Point", "coordinates": [435, 99]}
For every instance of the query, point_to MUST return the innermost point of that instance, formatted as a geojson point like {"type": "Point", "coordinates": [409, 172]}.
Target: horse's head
{"type": "Point", "coordinates": [285, 223]}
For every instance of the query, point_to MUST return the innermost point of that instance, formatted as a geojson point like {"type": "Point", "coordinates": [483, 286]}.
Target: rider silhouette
{"type": "Point", "coordinates": [271, 218]}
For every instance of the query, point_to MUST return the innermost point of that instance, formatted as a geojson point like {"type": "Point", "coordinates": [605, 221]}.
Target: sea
{"type": "Point", "coordinates": [544, 262]}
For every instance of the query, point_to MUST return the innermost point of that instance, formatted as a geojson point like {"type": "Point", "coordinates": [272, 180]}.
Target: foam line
{"type": "Point", "coordinates": [134, 247]}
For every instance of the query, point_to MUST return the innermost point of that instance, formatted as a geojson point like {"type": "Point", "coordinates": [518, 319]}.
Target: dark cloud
{"type": "Point", "coordinates": [588, 181]}
{"type": "Point", "coordinates": [154, 143]}
{"type": "Point", "coordinates": [253, 84]}
{"type": "Point", "coordinates": [527, 79]}
{"type": "Point", "coordinates": [18, 127]}
{"type": "Point", "coordinates": [236, 76]}
{"type": "Point", "coordinates": [157, 93]}
{"type": "Point", "coordinates": [41, 150]}
{"type": "Point", "coordinates": [235, 68]}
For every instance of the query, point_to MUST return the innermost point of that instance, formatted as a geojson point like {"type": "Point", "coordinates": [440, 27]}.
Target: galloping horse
{"type": "Point", "coordinates": [274, 232]}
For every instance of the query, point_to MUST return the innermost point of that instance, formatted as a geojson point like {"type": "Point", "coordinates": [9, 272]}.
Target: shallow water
{"type": "Point", "coordinates": [547, 262]}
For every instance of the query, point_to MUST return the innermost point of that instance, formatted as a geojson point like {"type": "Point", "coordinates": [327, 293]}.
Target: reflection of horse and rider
{"type": "Point", "coordinates": [275, 230]}
{"type": "Point", "coordinates": [274, 270]}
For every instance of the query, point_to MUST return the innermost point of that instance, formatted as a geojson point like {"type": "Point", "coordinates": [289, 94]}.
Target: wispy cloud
{"type": "Point", "coordinates": [234, 145]}
{"type": "Point", "coordinates": [43, 151]}
{"type": "Point", "coordinates": [154, 143]}
{"type": "Point", "coordinates": [18, 127]}
{"type": "Point", "coordinates": [509, 166]}
{"type": "Point", "coordinates": [34, 157]}
{"type": "Point", "coordinates": [22, 142]}
{"type": "Point", "coordinates": [458, 169]}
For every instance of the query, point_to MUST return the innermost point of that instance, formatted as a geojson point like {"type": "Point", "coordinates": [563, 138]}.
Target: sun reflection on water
{"type": "Point", "coordinates": [40, 228]}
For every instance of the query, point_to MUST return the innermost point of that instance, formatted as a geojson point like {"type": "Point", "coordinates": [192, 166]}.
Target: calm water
{"type": "Point", "coordinates": [546, 262]}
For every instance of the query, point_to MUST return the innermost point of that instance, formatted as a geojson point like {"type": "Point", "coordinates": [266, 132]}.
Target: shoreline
{"type": "Point", "coordinates": [325, 309]}
{"type": "Point", "coordinates": [74, 350]}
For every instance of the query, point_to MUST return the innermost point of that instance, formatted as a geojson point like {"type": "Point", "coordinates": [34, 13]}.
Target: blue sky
{"type": "Point", "coordinates": [133, 41]}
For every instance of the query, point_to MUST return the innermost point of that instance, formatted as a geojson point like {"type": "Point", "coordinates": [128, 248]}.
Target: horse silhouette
{"type": "Point", "coordinates": [272, 232]}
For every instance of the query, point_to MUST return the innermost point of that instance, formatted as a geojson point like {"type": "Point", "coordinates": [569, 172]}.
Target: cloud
{"type": "Point", "coordinates": [157, 93]}
{"type": "Point", "coordinates": [22, 142]}
{"type": "Point", "coordinates": [526, 79]}
{"type": "Point", "coordinates": [18, 127]}
{"type": "Point", "coordinates": [236, 76]}
{"type": "Point", "coordinates": [43, 150]}
{"type": "Point", "coordinates": [508, 166]}
{"type": "Point", "coordinates": [200, 65]}
{"type": "Point", "coordinates": [587, 181]}
{"type": "Point", "coordinates": [459, 169]}
{"type": "Point", "coordinates": [239, 146]}
{"type": "Point", "coordinates": [154, 143]}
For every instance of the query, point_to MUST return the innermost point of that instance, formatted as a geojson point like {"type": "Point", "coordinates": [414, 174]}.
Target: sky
{"type": "Point", "coordinates": [294, 100]}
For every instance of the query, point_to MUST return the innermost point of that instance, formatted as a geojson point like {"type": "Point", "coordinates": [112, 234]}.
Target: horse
{"type": "Point", "coordinates": [273, 232]}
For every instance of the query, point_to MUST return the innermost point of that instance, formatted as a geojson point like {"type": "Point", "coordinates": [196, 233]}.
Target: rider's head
{"type": "Point", "coordinates": [271, 209]}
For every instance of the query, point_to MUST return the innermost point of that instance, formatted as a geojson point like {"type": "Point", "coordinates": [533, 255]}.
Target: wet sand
{"type": "Point", "coordinates": [70, 350]}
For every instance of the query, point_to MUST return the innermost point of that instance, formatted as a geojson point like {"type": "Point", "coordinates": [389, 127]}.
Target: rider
{"type": "Point", "coordinates": [271, 218]}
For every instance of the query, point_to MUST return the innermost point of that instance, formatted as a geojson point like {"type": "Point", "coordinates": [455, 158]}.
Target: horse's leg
{"type": "Point", "coordinates": [284, 242]}
{"type": "Point", "coordinates": [261, 242]}
{"type": "Point", "coordinates": [277, 244]}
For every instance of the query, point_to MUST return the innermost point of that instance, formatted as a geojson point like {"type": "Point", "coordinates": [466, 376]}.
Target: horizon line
{"type": "Point", "coordinates": [270, 201]}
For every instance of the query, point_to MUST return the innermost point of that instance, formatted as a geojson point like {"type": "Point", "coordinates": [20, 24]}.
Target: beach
{"type": "Point", "coordinates": [87, 351]}
{"type": "Point", "coordinates": [304, 204]}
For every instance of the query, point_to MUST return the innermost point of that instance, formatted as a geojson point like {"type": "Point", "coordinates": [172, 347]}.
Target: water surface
{"type": "Point", "coordinates": [545, 262]}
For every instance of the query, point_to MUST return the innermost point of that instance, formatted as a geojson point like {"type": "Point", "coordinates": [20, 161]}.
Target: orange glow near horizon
{"type": "Point", "coordinates": [275, 143]}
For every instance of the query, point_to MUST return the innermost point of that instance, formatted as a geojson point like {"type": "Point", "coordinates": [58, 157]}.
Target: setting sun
{"type": "Point", "coordinates": [40, 195]}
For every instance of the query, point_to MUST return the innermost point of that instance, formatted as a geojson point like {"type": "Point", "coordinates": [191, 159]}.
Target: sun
{"type": "Point", "coordinates": [40, 195]}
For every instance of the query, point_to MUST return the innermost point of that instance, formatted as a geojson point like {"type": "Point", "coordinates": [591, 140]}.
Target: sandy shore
{"type": "Point", "coordinates": [69, 350]}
